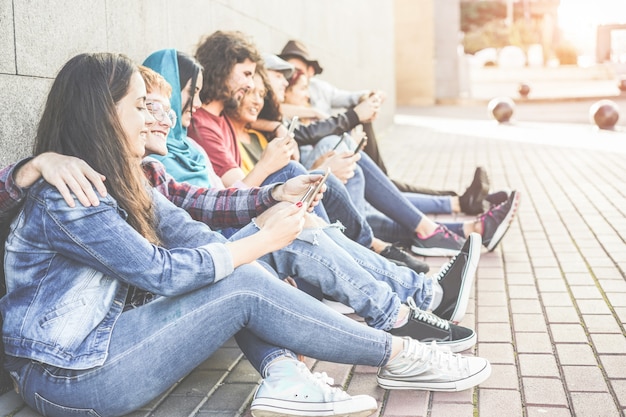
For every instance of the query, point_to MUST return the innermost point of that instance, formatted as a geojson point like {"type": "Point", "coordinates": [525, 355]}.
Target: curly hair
{"type": "Point", "coordinates": [218, 53]}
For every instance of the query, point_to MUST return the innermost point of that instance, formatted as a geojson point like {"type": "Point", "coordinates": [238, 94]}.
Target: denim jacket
{"type": "Point", "coordinates": [68, 271]}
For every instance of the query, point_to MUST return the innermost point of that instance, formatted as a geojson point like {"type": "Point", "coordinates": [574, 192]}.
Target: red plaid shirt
{"type": "Point", "coordinates": [219, 209]}
{"type": "Point", "coordinates": [10, 193]}
{"type": "Point", "coordinates": [230, 207]}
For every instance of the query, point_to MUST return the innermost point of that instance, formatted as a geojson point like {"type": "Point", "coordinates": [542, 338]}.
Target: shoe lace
{"type": "Point", "coordinates": [324, 383]}
{"type": "Point", "coordinates": [444, 359]}
{"type": "Point", "coordinates": [444, 269]}
{"type": "Point", "coordinates": [447, 233]}
{"type": "Point", "coordinates": [492, 210]}
{"type": "Point", "coordinates": [425, 316]}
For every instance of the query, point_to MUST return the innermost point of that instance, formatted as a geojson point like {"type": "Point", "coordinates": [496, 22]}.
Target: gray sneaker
{"type": "Point", "coordinates": [432, 368]}
{"type": "Point", "coordinates": [290, 389]}
{"type": "Point", "coordinates": [442, 242]}
{"type": "Point", "coordinates": [497, 220]}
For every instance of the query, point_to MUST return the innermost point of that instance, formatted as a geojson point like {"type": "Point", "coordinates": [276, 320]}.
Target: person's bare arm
{"type": "Point", "coordinates": [279, 226]}
{"type": "Point", "coordinates": [68, 174]}
{"type": "Point", "coordinates": [291, 110]}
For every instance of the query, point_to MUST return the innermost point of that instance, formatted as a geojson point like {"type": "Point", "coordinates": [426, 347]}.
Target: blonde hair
{"type": "Point", "coordinates": [155, 81]}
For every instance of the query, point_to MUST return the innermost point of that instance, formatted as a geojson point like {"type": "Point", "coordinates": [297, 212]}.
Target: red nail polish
{"type": "Point", "coordinates": [299, 204]}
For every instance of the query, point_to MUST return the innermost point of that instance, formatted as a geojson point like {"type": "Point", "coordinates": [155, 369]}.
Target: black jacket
{"type": "Point", "coordinates": [336, 125]}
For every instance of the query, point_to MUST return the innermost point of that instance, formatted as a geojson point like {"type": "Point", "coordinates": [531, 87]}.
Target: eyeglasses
{"type": "Point", "coordinates": [159, 113]}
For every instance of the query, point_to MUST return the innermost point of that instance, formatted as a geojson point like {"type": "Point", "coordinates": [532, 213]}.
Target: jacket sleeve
{"type": "Point", "coordinates": [191, 255]}
{"type": "Point", "coordinates": [339, 98]}
{"type": "Point", "coordinates": [218, 209]}
{"type": "Point", "coordinates": [10, 194]}
{"type": "Point", "coordinates": [335, 125]}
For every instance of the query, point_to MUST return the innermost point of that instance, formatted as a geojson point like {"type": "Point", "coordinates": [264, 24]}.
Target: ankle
{"type": "Point", "coordinates": [403, 316]}
{"type": "Point", "coordinates": [378, 245]}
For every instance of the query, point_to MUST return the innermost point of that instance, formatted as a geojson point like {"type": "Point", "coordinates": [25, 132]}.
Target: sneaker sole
{"type": "Point", "coordinates": [506, 223]}
{"type": "Point", "coordinates": [446, 386]}
{"type": "Point", "coordinates": [433, 251]}
{"type": "Point", "coordinates": [469, 272]}
{"type": "Point", "coordinates": [356, 407]}
{"type": "Point", "coordinates": [456, 346]}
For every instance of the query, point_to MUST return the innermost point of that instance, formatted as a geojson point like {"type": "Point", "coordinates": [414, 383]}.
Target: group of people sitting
{"type": "Point", "coordinates": [162, 214]}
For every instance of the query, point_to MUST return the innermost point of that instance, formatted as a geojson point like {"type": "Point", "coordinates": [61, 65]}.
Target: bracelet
{"type": "Point", "coordinates": [276, 128]}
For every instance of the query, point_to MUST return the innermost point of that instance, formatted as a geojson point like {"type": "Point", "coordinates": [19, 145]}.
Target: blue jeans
{"type": "Point", "coordinates": [430, 204]}
{"type": "Point", "coordinates": [336, 206]}
{"type": "Point", "coordinates": [350, 273]}
{"type": "Point", "coordinates": [155, 345]}
{"type": "Point", "coordinates": [382, 194]}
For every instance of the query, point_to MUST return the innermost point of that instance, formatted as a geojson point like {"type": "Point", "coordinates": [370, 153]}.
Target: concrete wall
{"type": "Point", "coordinates": [352, 39]}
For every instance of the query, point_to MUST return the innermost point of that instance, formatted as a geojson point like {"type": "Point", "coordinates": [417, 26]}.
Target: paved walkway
{"type": "Point", "coordinates": [549, 305]}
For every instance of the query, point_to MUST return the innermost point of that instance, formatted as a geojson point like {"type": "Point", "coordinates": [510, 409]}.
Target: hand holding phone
{"type": "Point", "coordinates": [312, 191]}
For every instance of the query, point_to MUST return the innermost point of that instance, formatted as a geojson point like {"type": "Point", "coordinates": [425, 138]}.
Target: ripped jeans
{"type": "Point", "coordinates": [350, 273]}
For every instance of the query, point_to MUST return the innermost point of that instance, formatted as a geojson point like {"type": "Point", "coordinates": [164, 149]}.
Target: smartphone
{"type": "Point", "coordinates": [343, 136]}
{"type": "Point", "coordinates": [312, 191]}
{"type": "Point", "coordinates": [292, 125]}
{"type": "Point", "coordinates": [361, 145]}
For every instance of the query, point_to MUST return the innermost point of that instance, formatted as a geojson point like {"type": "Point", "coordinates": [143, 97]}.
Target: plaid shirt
{"type": "Point", "coordinates": [10, 194]}
{"type": "Point", "coordinates": [219, 209]}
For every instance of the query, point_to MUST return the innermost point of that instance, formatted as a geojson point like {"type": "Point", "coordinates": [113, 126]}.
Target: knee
{"type": "Point", "coordinates": [295, 168]}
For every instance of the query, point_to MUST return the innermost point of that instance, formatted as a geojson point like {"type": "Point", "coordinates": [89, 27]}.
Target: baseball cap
{"type": "Point", "coordinates": [273, 62]}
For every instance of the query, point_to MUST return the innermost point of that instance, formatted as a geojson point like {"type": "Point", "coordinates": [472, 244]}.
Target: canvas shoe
{"type": "Point", "coordinates": [497, 220]}
{"type": "Point", "coordinates": [429, 367]}
{"type": "Point", "coordinates": [471, 201]}
{"type": "Point", "coordinates": [441, 242]}
{"type": "Point", "coordinates": [400, 257]}
{"type": "Point", "coordinates": [426, 327]}
{"type": "Point", "coordinates": [456, 279]}
{"type": "Point", "coordinates": [290, 389]}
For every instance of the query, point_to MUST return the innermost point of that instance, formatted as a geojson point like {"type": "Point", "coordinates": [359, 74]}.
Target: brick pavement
{"type": "Point", "coordinates": [549, 305]}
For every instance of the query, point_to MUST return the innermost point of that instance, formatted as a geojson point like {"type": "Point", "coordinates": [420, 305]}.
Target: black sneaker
{"type": "Point", "coordinates": [471, 201]}
{"type": "Point", "coordinates": [426, 327]}
{"type": "Point", "coordinates": [400, 257]}
{"type": "Point", "coordinates": [441, 243]}
{"type": "Point", "coordinates": [456, 279]}
{"type": "Point", "coordinates": [496, 198]}
{"type": "Point", "coordinates": [497, 221]}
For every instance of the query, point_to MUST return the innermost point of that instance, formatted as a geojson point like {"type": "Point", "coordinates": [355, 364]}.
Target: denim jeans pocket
{"type": "Point", "coordinates": [50, 409]}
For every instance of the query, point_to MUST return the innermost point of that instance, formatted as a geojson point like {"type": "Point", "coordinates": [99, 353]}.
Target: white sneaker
{"type": "Point", "coordinates": [429, 367]}
{"type": "Point", "coordinates": [290, 389]}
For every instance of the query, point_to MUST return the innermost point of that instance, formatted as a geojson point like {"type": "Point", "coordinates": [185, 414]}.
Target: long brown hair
{"type": "Point", "coordinates": [80, 119]}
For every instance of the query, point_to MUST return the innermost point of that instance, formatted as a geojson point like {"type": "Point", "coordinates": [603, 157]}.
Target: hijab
{"type": "Point", "coordinates": [184, 161]}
